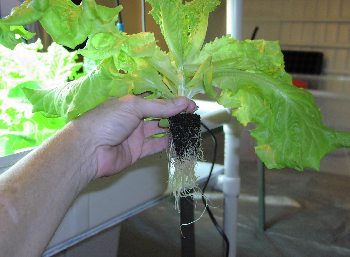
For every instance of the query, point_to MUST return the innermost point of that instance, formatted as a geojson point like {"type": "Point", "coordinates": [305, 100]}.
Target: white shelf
{"type": "Point", "coordinates": [339, 78]}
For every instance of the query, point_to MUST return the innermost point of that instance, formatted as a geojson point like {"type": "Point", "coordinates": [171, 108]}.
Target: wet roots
{"type": "Point", "coordinates": [185, 151]}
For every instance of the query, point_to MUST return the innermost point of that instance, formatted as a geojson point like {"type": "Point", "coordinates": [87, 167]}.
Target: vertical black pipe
{"type": "Point", "coordinates": [187, 216]}
{"type": "Point", "coordinates": [255, 32]}
{"type": "Point", "coordinates": [261, 200]}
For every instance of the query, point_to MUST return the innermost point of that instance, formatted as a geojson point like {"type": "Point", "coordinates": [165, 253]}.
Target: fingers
{"type": "Point", "coordinates": [158, 108]}
{"type": "Point", "coordinates": [152, 127]}
{"type": "Point", "coordinates": [154, 145]}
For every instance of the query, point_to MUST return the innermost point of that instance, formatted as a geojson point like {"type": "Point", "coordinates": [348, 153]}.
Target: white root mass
{"type": "Point", "coordinates": [182, 176]}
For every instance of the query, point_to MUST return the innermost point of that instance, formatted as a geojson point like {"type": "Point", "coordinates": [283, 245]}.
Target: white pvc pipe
{"type": "Point", "coordinates": [234, 14]}
{"type": "Point", "coordinates": [231, 179]}
{"type": "Point", "coordinates": [232, 134]}
{"type": "Point", "coordinates": [143, 16]}
{"type": "Point", "coordinates": [231, 183]}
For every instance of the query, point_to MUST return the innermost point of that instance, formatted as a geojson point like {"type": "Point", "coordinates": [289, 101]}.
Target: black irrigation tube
{"type": "Point", "coordinates": [211, 215]}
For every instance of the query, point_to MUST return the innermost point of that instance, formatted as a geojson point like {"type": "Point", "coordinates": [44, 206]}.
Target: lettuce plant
{"type": "Point", "coordinates": [246, 76]}
{"type": "Point", "coordinates": [28, 66]}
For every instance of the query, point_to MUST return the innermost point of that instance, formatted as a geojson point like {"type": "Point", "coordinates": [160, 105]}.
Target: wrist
{"type": "Point", "coordinates": [81, 151]}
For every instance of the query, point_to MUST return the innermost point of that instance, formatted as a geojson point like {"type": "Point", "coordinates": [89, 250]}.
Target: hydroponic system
{"type": "Point", "coordinates": [246, 76]}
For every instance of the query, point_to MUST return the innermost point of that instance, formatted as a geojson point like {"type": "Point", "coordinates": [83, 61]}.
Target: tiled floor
{"type": "Point", "coordinates": [103, 245]}
{"type": "Point", "coordinates": [308, 214]}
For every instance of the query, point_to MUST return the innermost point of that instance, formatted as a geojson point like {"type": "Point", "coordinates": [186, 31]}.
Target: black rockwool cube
{"type": "Point", "coordinates": [185, 134]}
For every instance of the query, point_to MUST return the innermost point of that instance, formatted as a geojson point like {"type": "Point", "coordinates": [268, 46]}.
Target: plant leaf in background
{"type": "Point", "coordinates": [67, 24]}
{"type": "Point", "coordinates": [27, 67]}
{"type": "Point", "coordinates": [17, 91]}
{"type": "Point", "coordinates": [10, 36]}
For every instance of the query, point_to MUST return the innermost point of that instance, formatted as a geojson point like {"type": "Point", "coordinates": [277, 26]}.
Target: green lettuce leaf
{"type": "Point", "coordinates": [248, 55]}
{"type": "Point", "coordinates": [70, 25]}
{"type": "Point", "coordinates": [289, 129]}
{"type": "Point", "coordinates": [246, 76]}
{"type": "Point", "coordinates": [17, 91]}
{"type": "Point", "coordinates": [183, 26]}
{"type": "Point", "coordinates": [102, 46]}
{"type": "Point", "coordinates": [148, 79]}
{"type": "Point", "coordinates": [10, 36]}
{"type": "Point", "coordinates": [74, 98]}
{"type": "Point", "coordinates": [161, 62]}
{"type": "Point", "coordinates": [28, 12]}
{"type": "Point", "coordinates": [67, 23]}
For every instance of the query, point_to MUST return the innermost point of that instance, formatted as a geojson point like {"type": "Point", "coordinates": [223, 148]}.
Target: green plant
{"type": "Point", "coordinates": [27, 66]}
{"type": "Point", "coordinates": [246, 76]}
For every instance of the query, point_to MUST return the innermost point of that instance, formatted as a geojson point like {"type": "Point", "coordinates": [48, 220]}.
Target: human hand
{"type": "Point", "coordinates": [38, 190]}
{"type": "Point", "coordinates": [119, 135]}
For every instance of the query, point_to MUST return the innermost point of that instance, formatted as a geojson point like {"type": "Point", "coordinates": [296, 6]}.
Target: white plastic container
{"type": "Point", "coordinates": [107, 202]}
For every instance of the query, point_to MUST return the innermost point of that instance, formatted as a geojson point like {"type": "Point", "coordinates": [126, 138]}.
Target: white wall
{"type": "Point", "coordinates": [7, 5]}
{"type": "Point", "coordinates": [320, 25]}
